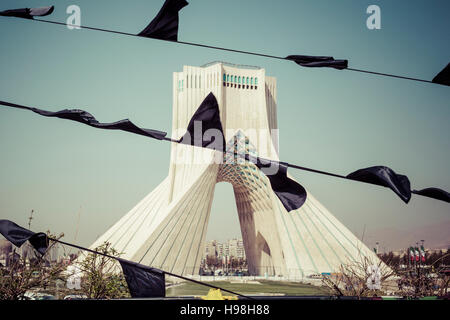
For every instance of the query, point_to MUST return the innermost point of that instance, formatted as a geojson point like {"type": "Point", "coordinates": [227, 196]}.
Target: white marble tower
{"type": "Point", "coordinates": [167, 229]}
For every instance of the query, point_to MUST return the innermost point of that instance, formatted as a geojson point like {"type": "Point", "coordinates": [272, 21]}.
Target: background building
{"type": "Point", "coordinates": [231, 248]}
{"type": "Point", "coordinates": [5, 250]}
{"type": "Point", "coordinates": [211, 249]}
{"type": "Point", "coordinates": [26, 252]}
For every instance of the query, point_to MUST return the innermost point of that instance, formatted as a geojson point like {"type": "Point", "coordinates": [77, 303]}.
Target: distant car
{"type": "Point", "coordinates": [75, 297]}
{"type": "Point", "coordinates": [38, 296]}
{"type": "Point", "coordinates": [218, 272]}
{"type": "Point", "coordinates": [45, 297]}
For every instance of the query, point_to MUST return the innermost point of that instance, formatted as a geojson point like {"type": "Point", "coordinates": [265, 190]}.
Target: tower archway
{"type": "Point", "coordinates": [167, 229]}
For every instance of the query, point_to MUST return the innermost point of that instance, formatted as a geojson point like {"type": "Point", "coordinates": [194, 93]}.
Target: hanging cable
{"type": "Point", "coordinates": [378, 175]}
{"type": "Point", "coordinates": [228, 50]}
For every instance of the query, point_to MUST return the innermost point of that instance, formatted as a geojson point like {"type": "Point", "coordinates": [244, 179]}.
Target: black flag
{"type": "Point", "coordinates": [207, 117]}
{"type": "Point", "coordinates": [384, 176]}
{"type": "Point", "coordinates": [28, 13]}
{"type": "Point", "coordinates": [165, 24]}
{"type": "Point", "coordinates": [291, 194]}
{"type": "Point", "coordinates": [318, 62]}
{"type": "Point", "coordinates": [143, 281]}
{"type": "Point", "coordinates": [434, 193]}
{"type": "Point", "coordinates": [86, 118]}
{"type": "Point", "coordinates": [18, 236]}
{"type": "Point", "coordinates": [443, 77]}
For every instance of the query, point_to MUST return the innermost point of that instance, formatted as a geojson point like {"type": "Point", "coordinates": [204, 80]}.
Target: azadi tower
{"type": "Point", "coordinates": [167, 228]}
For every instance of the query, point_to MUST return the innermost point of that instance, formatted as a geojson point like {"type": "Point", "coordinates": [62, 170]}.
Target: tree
{"type": "Point", "coordinates": [102, 277]}
{"type": "Point", "coordinates": [21, 275]}
{"type": "Point", "coordinates": [364, 278]}
{"type": "Point", "coordinates": [212, 262]}
{"type": "Point", "coordinates": [417, 280]}
{"type": "Point", "coordinates": [420, 280]}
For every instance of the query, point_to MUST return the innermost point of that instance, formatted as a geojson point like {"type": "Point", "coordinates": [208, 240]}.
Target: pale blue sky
{"type": "Point", "coordinates": [333, 120]}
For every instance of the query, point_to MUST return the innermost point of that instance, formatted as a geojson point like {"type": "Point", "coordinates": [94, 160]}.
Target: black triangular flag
{"type": "Point", "coordinates": [28, 13]}
{"type": "Point", "coordinates": [88, 119]}
{"type": "Point", "coordinates": [205, 128]}
{"type": "Point", "coordinates": [434, 193]}
{"type": "Point", "coordinates": [384, 176]}
{"type": "Point", "coordinates": [318, 62]}
{"type": "Point", "coordinates": [443, 77]}
{"type": "Point", "coordinates": [18, 236]}
{"type": "Point", "coordinates": [143, 281]}
{"type": "Point", "coordinates": [291, 194]}
{"type": "Point", "coordinates": [165, 24]}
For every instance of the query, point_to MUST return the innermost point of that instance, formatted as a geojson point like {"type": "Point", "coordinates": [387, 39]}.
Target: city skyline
{"type": "Point", "coordinates": [78, 183]}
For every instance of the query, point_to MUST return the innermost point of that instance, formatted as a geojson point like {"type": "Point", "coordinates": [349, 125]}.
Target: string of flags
{"type": "Point", "coordinates": [143, 281]}
{"type": "Point", "coordinates": [28, 13]}
{"type": "Point", "coordinates": [165, 24]}
{"type": "Point", "coordinates": [18, 236]}
{"type": "Point", "coordinates": [443, 77]}
{"type": "Point", "coordinates": [165, 27]}
{"type": "Point", "coordinates": [291, 194]}
{"type": "Point", "coordinates": [88, 119]}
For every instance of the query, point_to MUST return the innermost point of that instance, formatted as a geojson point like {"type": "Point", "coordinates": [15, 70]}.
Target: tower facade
{"type": "Point", "coordinates": [167, 229]}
